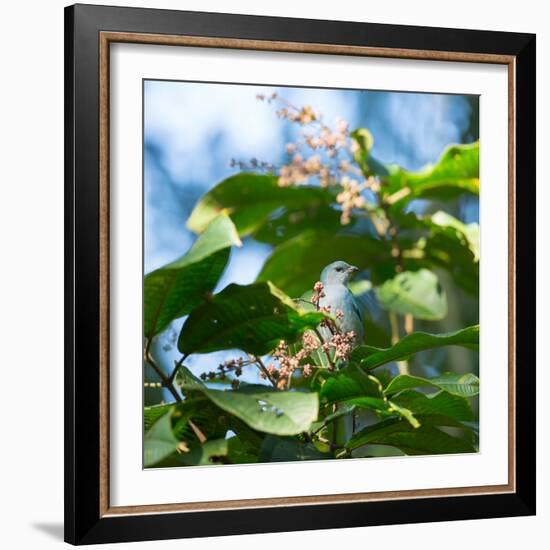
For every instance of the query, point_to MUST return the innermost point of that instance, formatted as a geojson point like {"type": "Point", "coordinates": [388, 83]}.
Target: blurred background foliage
{"type": "Point", "coordinates": [418, 273]}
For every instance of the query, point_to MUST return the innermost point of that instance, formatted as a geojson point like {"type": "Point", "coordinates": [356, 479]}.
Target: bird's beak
{"type": "Point", "coordinates": [352, 269]}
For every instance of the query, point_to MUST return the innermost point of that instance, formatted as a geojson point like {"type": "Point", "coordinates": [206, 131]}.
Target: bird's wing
{"type": "Point", "coordinates": [358, 310]}
{"type": "Point", "coordinates": [368, 306]}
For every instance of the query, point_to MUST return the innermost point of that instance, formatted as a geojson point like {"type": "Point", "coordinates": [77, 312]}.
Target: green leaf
{"type": "Point", "coordinates": [241, 451]}
{"type": "Point", "coordinates": [253, 318]}
{"type": "Point", "coordinates": [371, 357]}
{"type": "Point", "coordinates": [456, 171]}
{"type": "Point", "coordinates": [279, 449]}
{"type": "Point", "coordinates": [210, 452]}
{"type": "Point", "coordinates": [270, 411]}
{"type": "Point", "coordinates": [351, 385]}
{"type": "Point", "coordinates": [463, 385]}
{"type": "Point", "coordinates": [443, 242]}
{"type": "Point", "coordinates": [211, 421]}
{"type": "Point", "coordinates": [159, 442]}
{"type": "Point", "coordinates": [288, 224]}
{"type": "Point", "coordinates": [407, 414]}
{"type": "Point", "coordinates": [262, 408]}
{"type": "Point", "coordinates": [205, 454]}
{"type": "Point", "coordinates": [364, 141]}
{"type": "Point", "coordinates": [467, 233]}
{"type": "Point", "coordinates": [296, 265]}
{"type": "Point", "coordinates": [423, 440]}
{"type": "Point", "coordinates": [250, 199]}
{"type": "Point", "coordinates": [415, 292]}
{"type": "Point", "coordinates": [153, 413]}
{"type": "Point", "coordinates": [441, 403]}
{"type": "Point", "coordinates": [175, 289]}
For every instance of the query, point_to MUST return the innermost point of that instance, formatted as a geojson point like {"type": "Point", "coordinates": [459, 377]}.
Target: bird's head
{"type": "Point", "coordinates": [338, 273]}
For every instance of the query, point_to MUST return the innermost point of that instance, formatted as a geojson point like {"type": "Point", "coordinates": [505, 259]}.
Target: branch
{"type": "Point", "coordinates": [403, 366]}
{"type": "Point", "coordinates": [168, 384]}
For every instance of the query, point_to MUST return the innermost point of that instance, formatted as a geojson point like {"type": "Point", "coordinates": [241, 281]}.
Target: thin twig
{"type": "Point", "coordinates": [167, 383]}
{"type": "Point", "coordinates": [176, 368]}
{"type": "Point", "coordinates": [165, 380]}
{"type": "Point", "coordinates": [409, 323]}
{"type": "Point", "coordinates": [394, 327]}
{"type": "Point", "coordinates": [403, 366]}
{"type": "Point", "coordinates": [264, 370]}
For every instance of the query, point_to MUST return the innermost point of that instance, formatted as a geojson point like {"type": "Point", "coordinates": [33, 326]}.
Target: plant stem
{"type": "Point", "coordinates": [409, 323]}
{"type": "Point", "coordinates": [176, 368]}
{"type": "Point", "coordinates": [403, 366]}
{"type": "Point", "coordinates": [168, 384]}
{"type": "Point", "coordinates": [394, 327]}
{"type": "Point", "coordinates": [327, 353]}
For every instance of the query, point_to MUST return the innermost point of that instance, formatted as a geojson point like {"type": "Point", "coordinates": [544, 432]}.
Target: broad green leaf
{"type": "Point", "coordinates": [288, 224]}
{"type": "Point", "coordinates": [269, 411]}
{"type": "Point", "coordinates": [371, 357]}
{"type": "Point", "coordinates": [262, 408]}
{"type": "Point", "coordinates": [253, 318]}
{"type": "Point", "coordinates": [415, 292]}
{"type": "Point", "coordinates": [285, 449]}
{"type": "Point", "coordinates": [159, 442]}
{"type": "Point", "coordinates": [296, 265]}
{"type": "Point", "coordinates": [456, 171]}
{"type": "Point", "coordinates": [423, 440]}
{"type": "Point", "coordinates": [250, 199]}
{"type": "Point", "coordinates": [463, 385]}
{"type": "Point", "coordinates": [175, 289]}
{"type": "Point", "coordinates": [441, 403]}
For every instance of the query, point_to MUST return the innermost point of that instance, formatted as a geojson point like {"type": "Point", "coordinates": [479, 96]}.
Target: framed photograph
{"type": "Point", "coordinates": [300, 283]}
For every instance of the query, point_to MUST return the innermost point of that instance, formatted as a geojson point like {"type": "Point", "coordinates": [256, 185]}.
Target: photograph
{"type": "Point", "coordinates": [310, 274]}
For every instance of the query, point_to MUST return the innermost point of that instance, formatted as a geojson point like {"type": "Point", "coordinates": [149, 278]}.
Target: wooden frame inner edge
{"type": "Point", "coordinates": [105, 39]}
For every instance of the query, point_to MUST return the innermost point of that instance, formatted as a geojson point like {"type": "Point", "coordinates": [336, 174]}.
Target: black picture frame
{"type": "Point", "coordinates": [84, 523]}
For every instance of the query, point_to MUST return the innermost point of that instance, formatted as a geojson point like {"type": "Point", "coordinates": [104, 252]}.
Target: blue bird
{"type": "Point", "coordinates": [349, 317]}
{"type": "Point", "coordinates": [335, 278]}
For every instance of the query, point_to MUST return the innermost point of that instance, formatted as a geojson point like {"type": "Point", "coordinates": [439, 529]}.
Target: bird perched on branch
{"type": "Point", "coordinates": [340, 300]}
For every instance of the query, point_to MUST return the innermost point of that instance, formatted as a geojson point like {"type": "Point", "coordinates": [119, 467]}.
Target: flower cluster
{"type": "Point", "coordinates": [350, 197]}
{"type": "Point", "coordinates": [342, 343]}
{"type": "Point", "coordinates": [289, 363]}
{"type": "Point", "coordinates": [324, 154]}
{"type": "Point", "coordinates": [303, 116]}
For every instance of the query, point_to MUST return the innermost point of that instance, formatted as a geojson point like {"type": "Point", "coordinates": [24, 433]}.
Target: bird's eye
{"type": "Point", "coordinates": [338, 269]}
